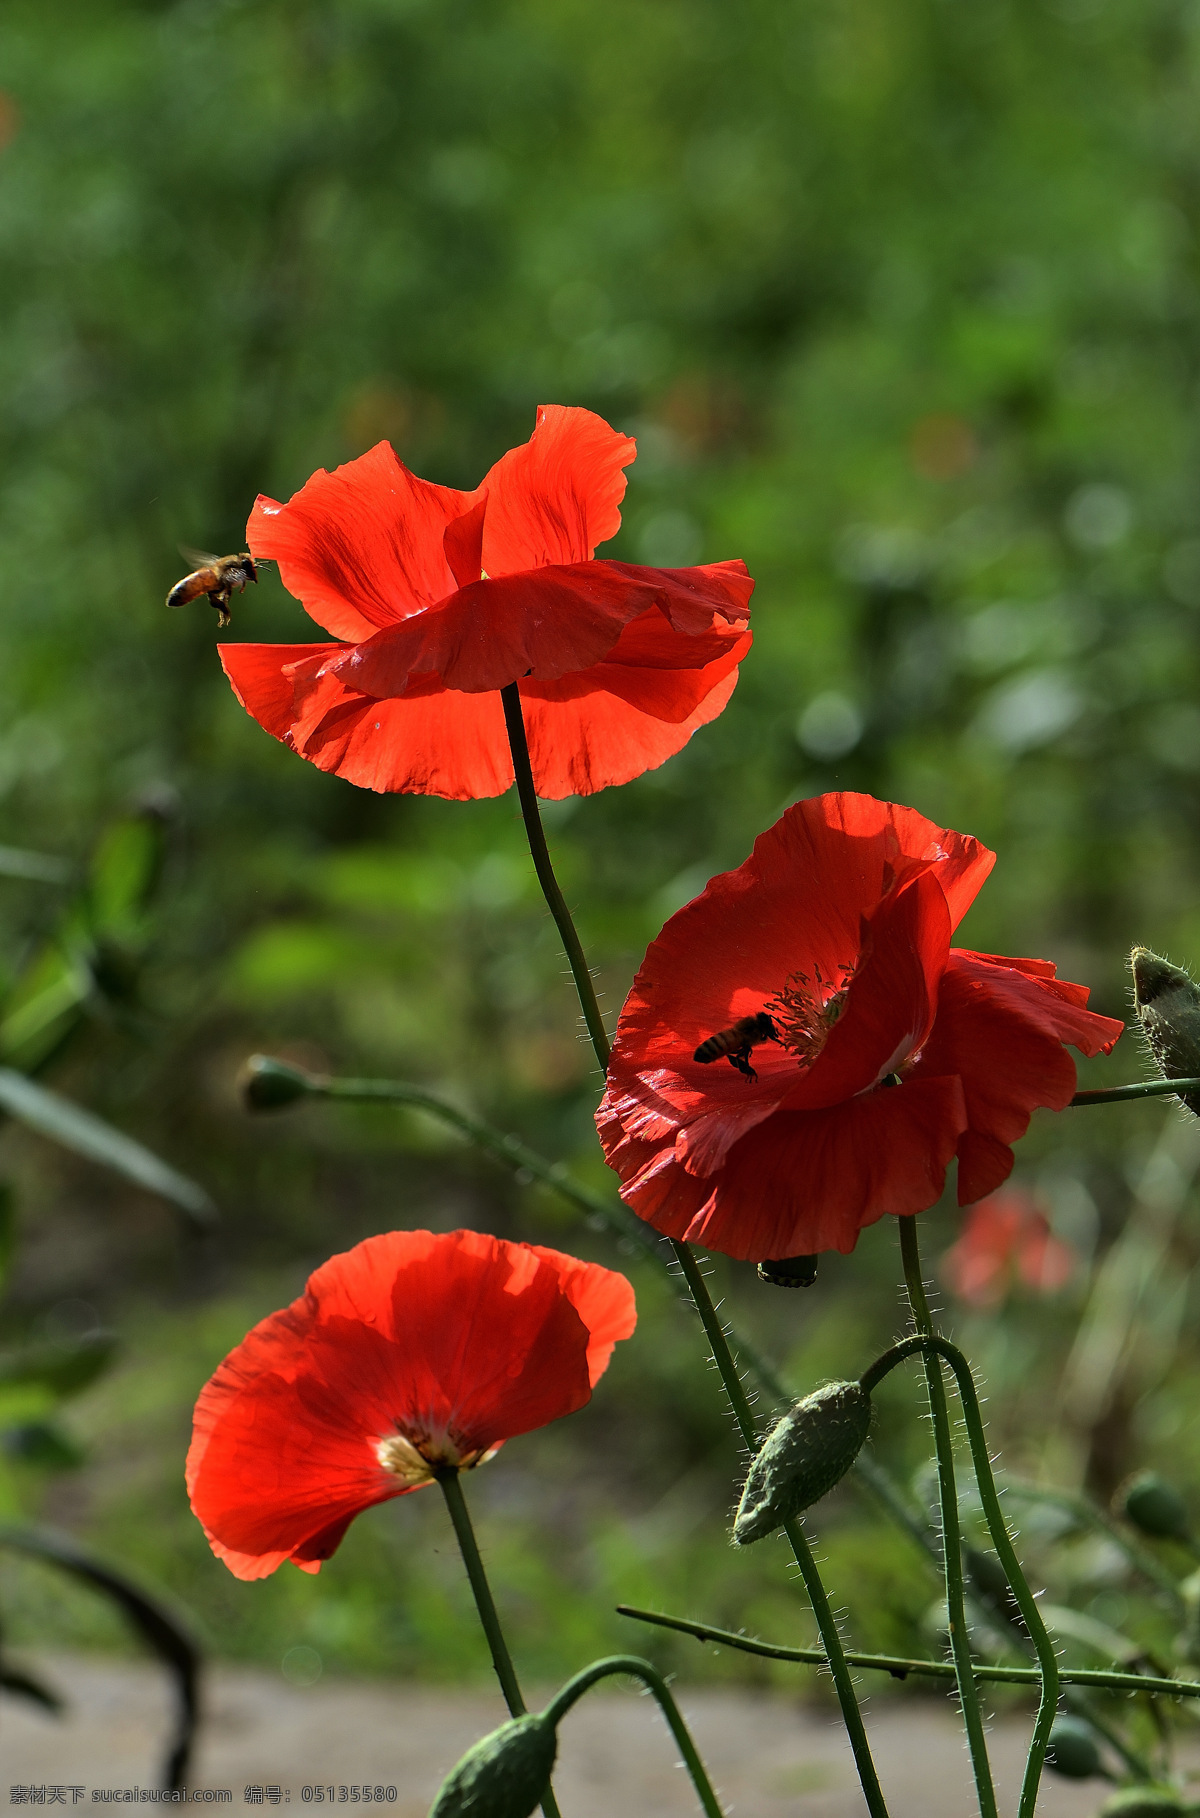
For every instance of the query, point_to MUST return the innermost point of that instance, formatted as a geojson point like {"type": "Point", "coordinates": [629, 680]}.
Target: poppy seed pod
{"type": "Point", "coordinates": [802, 1458]}
{"type": "Point", "coordinates": [1156, 1507]}
{"type": "Point", "coordinates": [1072, 1750]}
{"type": "Point", "coordinates": [1166, 1002]}
{"type": "Point", "coordinates": [504, 1775]}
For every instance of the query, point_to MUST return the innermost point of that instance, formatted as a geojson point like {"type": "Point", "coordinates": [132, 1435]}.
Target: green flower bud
{"type": "Point", "coordinates": [504, 1776]}
{"type": "Point", "coordinates": [1143, 1802]}
{"type": "Point", "coordinates": [268, 1085]}
{"type": "Point", "coordinates": [1072, 1750]}
{"type": "Point", "coordinates": [1155, 1506]}
{"type": "Point", "coordinates": [801, 1459]}
{"type": "Point", "coordinates": [1166, 1003]}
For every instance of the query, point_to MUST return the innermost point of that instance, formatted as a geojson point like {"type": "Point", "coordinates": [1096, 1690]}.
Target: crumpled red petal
{"type": "Point", "coordinates": [544, 624]}
{"type": "Point", "coordinates": [1001, 1028]}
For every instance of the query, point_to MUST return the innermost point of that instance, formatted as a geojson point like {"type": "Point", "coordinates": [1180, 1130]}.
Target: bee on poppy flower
{"type": "Point", "coordinates": [736, 1042]}
{"type": "Point", "coordinates": [216, 576]}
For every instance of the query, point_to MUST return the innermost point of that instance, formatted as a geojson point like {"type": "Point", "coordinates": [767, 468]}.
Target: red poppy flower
{"type": "Point", "coordinates": [1006, 1239]}
{"type": "Point", "coordinates": [888, 1052]}
{"type": "Point", "coordinates": [409, 1354]}
{"type": "Point", "coordinates": [442, 598]}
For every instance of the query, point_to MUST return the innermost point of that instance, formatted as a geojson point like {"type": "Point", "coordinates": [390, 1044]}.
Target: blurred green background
{"type": "Point", "coordinates": [900, 298]}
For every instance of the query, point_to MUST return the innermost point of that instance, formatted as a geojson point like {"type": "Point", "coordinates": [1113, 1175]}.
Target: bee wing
{"type": "Point", "coordinates": [199, 558]}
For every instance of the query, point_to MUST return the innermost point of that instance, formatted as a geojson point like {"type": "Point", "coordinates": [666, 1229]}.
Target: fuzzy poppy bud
{"type": "Point", "coordinates": [1143, 1802]}
{"type": "Point", "coordinates": [1156, 1507]}
{"type": "Point", "coordinates": [268, 1085]}
{"type": "Point", "coordinates": [801, 1459]}
{"type": "Point", "coordinates": [1166, 1002]}
{"type": "Point", "coordinates": [505, 1775]}
{"type": "Point", "coordinates": [1072, 1750]}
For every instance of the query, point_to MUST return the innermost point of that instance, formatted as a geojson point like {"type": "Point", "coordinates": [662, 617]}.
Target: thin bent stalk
{"type": "Point", "coordinates": [635, 1668]}
{"type": "Point", "coordinates": [1048, 1673]}
{"type": "Point", "coordinates": [952, 1563]}
{"type": "Point", "coordinates": [899, 1667]}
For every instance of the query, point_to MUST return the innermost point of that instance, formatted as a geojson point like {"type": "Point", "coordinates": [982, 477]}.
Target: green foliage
{"type": "Point", "coordinates": [901, 304]}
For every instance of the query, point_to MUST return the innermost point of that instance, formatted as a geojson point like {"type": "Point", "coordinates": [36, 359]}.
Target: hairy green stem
{"type": "Point", "coordinates": [899, 1667]}
{"type": "Point", "coordinates": [826, 1621]}
{"type": "Point", "coordinates": [468, 1546]}
{"type": "Point", "coordinates": [932, 1344]}
{"type": "Point", "coordinates": [631, 1666]}
{"type": "Point", "coordinates": [1146, 1088]}
{"type": "Point", "coordinates": [514, 720]}
{"type": "Point", "coordinates": [952, 1561]}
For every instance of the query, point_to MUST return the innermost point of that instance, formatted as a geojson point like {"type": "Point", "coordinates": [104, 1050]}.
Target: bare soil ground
{"type": "Point", "coordinates": [769, 1756]}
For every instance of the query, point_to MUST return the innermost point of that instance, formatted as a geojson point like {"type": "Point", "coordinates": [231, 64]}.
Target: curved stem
{"type": "Point", "coordinates": [1146, 1088]}
{"type": "Point", "coordinates": [952, 1564]}
{"type": "Point", "coordinates": [514, 720]}
{"type": "Point", "coordinates": [635, 1668]}
{"type": "Point", "coordinates": [899, 1667]}
{"type": "Point", "coordinates": [826, 1621]}
{"type": "Point", "coordinates": [468, 1546]}
{"type": "Point", "coordinates": [1048, 1671]}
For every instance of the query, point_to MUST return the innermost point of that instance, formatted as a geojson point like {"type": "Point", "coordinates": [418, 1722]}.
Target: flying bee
{"type": "Point", "coordinates": [736, 1042]}
{"type": "Point", "coordinates": [216, 576]}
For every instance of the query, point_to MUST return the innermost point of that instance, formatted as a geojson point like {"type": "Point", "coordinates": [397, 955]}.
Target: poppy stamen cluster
{"type": "Point", "coordinates": [806, 1009]}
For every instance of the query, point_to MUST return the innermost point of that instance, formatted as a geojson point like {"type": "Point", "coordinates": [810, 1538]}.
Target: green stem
{"type": "Point", "coordinates": [826, 1622]}
{"type": "Point", "coordinates": [468, 1546]}
{"type": "Point", "coordinates": [952, 1564]}
{"type": "Point", "coordinates": [1147, 1088]}
{"type": "Point", "coordinates": [899, 1667]}
{"type": "Point", "coordinates": [514, 720]}
{"type": "Point", "coordinates": [931, 1344]}
{"type": "Point", "coordinates": [633, 1667]}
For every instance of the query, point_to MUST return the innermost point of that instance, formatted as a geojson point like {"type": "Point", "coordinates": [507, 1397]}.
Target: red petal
{"type": "Point", "coordinates": [546, 624]}
{"type": "Point", "coordinates": [361, 547]}
{"type": "Point", "coordinates": [558, 496]}
{"type": "Point", "coordinates": [580, 742]}
{"type": "Point", "coordinates": [430, 742]}
{"type": "Point", "coordinates": [463, 543]}
{"type": "Point", "coordinates": [806, 1181]}
{"type": "Point", "coordinates": [603, 1300]}
{"type": "Point", "coordinates": [891, 1001]}
{"type": "Point", "coordinates": [1002, 1031]}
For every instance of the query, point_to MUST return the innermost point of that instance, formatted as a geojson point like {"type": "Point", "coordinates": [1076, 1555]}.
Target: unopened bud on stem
{"type": "Point", "coordinates": [801, 1459]}
{"type": "Point", "coordinates": [268, 1084]}
{"type": "Point", "coordinates": [505, 1775]}
{"type": "Point", "coordinates": [1166, 1002]}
